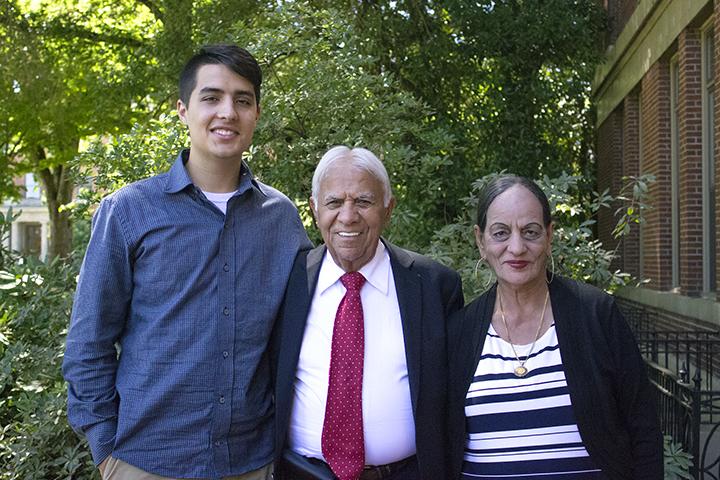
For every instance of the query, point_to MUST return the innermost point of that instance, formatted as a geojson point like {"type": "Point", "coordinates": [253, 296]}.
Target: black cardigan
{"type": "Point", "coordinates": [607, 379]}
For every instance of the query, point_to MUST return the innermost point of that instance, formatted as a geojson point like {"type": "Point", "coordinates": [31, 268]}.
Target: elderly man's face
{"type": "Point", "coordinates": [350, 214]}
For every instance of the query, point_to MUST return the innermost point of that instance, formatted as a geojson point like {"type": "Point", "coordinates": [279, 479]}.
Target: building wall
{"type": "Point", "coordinates": [617, 150]}
{"type": "Point", "coordinates": [690, 178]}
{"type": "Point", "coordinates": [655, 141]}
{"type": "Point", "coordinates": [609, 151]}
{"type": "Point", "coordinates": [638, 132]}
{"type": "Point", "coordinates": [630, 167]}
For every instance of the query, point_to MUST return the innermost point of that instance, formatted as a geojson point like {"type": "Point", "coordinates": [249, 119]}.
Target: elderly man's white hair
{"type": "Point", "coordinates": [361, 158]}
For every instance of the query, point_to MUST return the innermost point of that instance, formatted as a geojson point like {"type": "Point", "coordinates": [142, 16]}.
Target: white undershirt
{"type": "Point", "coordinates": [219, 199]}
{"type": "Point", "coordinates": [388, 423]}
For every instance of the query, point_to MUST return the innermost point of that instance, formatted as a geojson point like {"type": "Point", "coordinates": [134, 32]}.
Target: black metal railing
{"type": "Point", "coordinates": [684, 352]}
{"type": "Point", "coordinates": [689, 408]}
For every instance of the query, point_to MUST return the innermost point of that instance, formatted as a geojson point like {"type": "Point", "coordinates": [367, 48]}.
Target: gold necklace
{"type": "Point", "coordinates": [521, 370]}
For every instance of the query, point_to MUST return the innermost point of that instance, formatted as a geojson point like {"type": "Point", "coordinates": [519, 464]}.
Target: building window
{"type": "Point", "coordinates": [32, 188]}
{"type": "Point", "coordinates": [708, 160]}
{"type": "Point", "coordinates": [30, 239]}
{"type": "Point", "coordinates": [675, 171]}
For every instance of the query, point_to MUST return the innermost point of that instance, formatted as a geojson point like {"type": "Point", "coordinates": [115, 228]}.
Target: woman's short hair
{"type": "Point", "coordinates": [500, 184]}
{"type": "Point", "coordinates": [361, 158]}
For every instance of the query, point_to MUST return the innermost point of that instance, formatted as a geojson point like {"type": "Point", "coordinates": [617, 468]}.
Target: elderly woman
{"type": "Point", "coordinates": [547, 378]}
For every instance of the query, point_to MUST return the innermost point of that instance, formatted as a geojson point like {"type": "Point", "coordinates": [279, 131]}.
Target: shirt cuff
{"type": "Point", "coordinates": [101, 438]}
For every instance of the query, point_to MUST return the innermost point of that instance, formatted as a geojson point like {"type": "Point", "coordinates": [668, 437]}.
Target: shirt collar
{"type": "Point", "coordinates": [376, 271]}
{"type": "Point", "coordinates": [178, 177]}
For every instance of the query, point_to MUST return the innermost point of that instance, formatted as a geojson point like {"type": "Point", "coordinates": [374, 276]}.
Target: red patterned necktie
{"type": "Point", "coordinates": [343, 444]}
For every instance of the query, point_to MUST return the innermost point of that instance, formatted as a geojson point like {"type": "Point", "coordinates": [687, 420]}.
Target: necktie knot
{"type": "Point", "coordinates": [353, 281]}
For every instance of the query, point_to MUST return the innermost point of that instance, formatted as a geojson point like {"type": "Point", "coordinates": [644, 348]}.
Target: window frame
{"type": "Point", "coordinates": [709, 188]}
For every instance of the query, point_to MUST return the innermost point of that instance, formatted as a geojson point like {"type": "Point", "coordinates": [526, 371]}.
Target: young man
{"type": "Point", "coordinates": [166, 353]}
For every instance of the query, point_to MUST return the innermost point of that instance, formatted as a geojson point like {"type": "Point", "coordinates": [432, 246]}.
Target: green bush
{"type": "Point", "coordinates": [35, 301]}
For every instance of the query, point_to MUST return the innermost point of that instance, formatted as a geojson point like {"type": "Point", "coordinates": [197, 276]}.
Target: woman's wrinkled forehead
{"type": "Point", "coordinates": [516, 206]}
{"type": "Point", "coordinates": [494, 191]}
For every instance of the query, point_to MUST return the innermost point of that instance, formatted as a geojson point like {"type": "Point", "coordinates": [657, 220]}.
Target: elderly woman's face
{"type": "Point", "coordinates": [515, 242]}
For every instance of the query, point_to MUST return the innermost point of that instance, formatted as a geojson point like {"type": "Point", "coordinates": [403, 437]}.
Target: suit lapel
{"type": "Point", "coordinates": [298, 307]}
{"type": "Point", "coordinates": [409, 292]}
{"type": "Point", "coordinates": [314, 260]}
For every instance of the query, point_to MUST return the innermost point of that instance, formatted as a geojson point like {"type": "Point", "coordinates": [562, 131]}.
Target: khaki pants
{"type": "Point", "coordinates": [118, 470]}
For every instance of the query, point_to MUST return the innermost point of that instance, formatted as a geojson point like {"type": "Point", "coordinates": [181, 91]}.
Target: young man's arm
{"type": "Point", "coordinates": [99, 314]}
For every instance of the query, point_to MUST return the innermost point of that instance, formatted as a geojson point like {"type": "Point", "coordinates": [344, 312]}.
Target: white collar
{"type": "Point", "coordinates": [376, 271]}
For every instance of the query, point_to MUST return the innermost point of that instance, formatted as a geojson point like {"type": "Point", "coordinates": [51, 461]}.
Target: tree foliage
{"type": "Point", "coordinates": [457, 79]}
{"type": "Point", "coordinates": [535, 61]}
{"type": "Point", "coordinates": [68, 73]}
{"type": "Point", "coordinates": [323, 91]}
{"type": "Point", "coordinates": [510, 77]}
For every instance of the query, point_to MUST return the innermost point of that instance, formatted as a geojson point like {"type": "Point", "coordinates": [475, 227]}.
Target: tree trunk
{"type": "Point", "coordinates": [58, 192]}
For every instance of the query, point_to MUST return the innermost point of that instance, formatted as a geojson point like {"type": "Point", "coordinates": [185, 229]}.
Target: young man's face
{"type": "Point", "coordinates": [221, 114]}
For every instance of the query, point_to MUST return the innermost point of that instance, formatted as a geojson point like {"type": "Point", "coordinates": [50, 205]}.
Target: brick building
{"type": "Point", "coordinates": [656, 113]}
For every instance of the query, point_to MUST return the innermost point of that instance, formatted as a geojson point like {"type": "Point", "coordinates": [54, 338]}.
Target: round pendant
{"type": "Point", "coordinates": [521, 371]}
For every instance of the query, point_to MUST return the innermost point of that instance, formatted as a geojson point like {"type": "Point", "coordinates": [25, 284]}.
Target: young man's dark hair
{"type": "Point", "coordinates": [235, 58]}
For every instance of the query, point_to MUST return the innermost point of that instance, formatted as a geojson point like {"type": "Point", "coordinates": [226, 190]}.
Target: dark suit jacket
{"type": "Point", "coordinates": [427, 293]}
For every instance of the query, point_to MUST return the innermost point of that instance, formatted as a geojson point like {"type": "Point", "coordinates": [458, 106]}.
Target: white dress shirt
{"type": "Point", "coordinates": [388, 424]}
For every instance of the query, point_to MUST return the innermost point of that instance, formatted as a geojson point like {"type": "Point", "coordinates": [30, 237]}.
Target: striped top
{"type": "Point", "coordinates": [523, 427]}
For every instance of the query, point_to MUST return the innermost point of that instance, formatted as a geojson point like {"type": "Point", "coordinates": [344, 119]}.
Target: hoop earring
{"type": "Point", "coordinates": [552, 269]}
{"type": "Point", "coordinates": [477, 267]}
{"type": "Point", "coordinates": [489, 282]}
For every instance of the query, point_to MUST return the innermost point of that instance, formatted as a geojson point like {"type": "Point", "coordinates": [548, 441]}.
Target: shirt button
{"type": "Point", "coordinates": [222, 399]}
{"type": "Point", "coordinates": [217, 443]}
{"type": "Point", "coordinates": [226, 311]}
{"type": "Point", "coordinates": [225, 354]}
{"type": "Point", "coordinates": [226, 267]}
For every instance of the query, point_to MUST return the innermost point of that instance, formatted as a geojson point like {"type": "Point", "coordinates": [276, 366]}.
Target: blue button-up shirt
{"type": "Point", "coordinates": [166, 353]}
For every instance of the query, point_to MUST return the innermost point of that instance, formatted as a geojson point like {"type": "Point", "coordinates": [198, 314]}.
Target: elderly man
{"type": "Point", "coordinates": [360, 343]}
